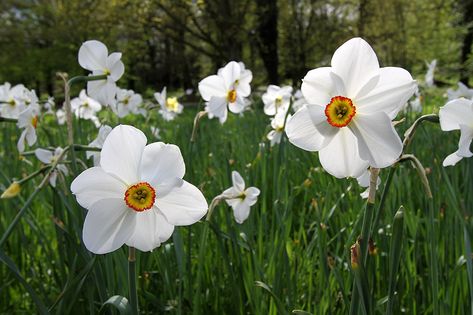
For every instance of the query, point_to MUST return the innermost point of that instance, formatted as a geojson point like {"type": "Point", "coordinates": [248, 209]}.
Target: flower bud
{"type": "Point", "coordinates": [355, 255]}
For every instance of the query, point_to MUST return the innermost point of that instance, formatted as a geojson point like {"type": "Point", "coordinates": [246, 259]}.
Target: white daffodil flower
{"type": "Point", "coordinates": [48, 106]}
{"type": "Point", "coordinates": [429, 76]}
{"type": "Point", "coordinates": [137, 195]}
{"type": "Point", "coordinates": [170, 107]}
{"type": "Point", "coordinates": [85, 107]}
{"type": "Point", "coordinates": [61, 116]}
{"type": "Point", "coordinates": [349, 112]}
{"type": "Point", "coordinates": [462, 91]}
{"type": "Point", "coordinates": [93, 56]}
{"type": "Point", "coordinates": [226, 89]}
{"type": "Point", "coordinates": [239, 198]}
{"type": "Point", "coordinates": [98, 142]}
{"type": "Point", "coordinates": [11, 99]}
{"type": "Point", "coordinates": [364, 181]}
{"type": "Point", "coordinates": [277, 99]}
{"type": "Point", "coordinates": [27, 120]}
{"type": "Point", "coordinates": [49, 157]}
{"type": "Point", "coordinates": [458, 115]}
{"type": "Point", "coordinates": [127, 101]}
{"type": "Point", "coordinates": [277, 123]}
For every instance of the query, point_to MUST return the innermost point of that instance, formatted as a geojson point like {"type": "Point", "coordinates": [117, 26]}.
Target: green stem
{"type": "Point", "coordinates": [433, 256]}
{"type": "Point", "coordinates": [132, 280]}
{"type": "Point", "coordinates": [382, 200]}
{"type": "Point", "coordinates": [12, 120]}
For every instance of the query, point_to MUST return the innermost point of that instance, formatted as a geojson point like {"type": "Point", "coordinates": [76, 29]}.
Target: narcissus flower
{"type": "Point", "coordinates": [277, 99]}
{"type": "Point", "coordinates": [137, 195]}
{"type": "Point", "coordinates": [98, 142]}
{"type": "Point", "coordinates": [85, 107]}
{"type": "Point", "coordinates": [170, 106]}
{"type": "Point", "coordinates": [228, 88]}
{"type": "Point", "coordinates": [350, 108]}
{"type": "Point", "coordinates": [458, 115]}
{"type": "Point", "coordinates": [127, 101]}
{"type": "Point", "coordinates": [11, 100]}
{"type": "Point", "coordinates": [239, 198]}
{"type": "Point", "coordinates": [277, 123]}
{"type": "Point", "coordinates": [429, 76]}
{"type": "Point", "coordinates": [93, 56]}
{"type": "Point", "coordinates": [28, 121]}
{"type": "Point", "coordinates": [49, 157]}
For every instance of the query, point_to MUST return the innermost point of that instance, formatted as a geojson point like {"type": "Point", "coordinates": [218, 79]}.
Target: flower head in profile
{"type": "Point", "coordinates": [98, 142]}
{"type": "Point", "coordinates": [85, 107]}
{"type": "Point", "coordinates": [93, 56]}
{"type": "Point", "coordinates": [170, 106]}
{"type": "Point", "coordinates": [226, 90]}
{"type": "Point", "coordinates": [458, 115]}
{"type": "Point", "coordinates": [349, 110]}
{"type": "Point", "coordinates": [28, 121]}
{"type": "Point", "coordinates": [462, 91]}
{"type": "Point", "coordinates": [127, 102]}
{"type": "Point", "coordinates": [50, 157]}
{"type": "Point", "coordinates": [137, 195]}
{"type": "Point", "coordinates": [277, 123]}
{"type": "Point", "coordinates": [277, 99]}
{"type": "Point", "coordinates": [239, 198]}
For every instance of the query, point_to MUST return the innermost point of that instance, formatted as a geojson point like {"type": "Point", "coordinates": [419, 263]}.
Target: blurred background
{"type": "Point", "coordinates": [176, 43]}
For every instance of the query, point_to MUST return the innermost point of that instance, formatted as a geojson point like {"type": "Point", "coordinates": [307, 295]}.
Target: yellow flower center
{"type": "Point", "coordinates": [340, 111]}
{"type": "Point", "coordinates": [231, 96]}
{"type": "Point", "coordinates": [126, 100]}
{"type": "Point", "coordinates": [34, 121]}
{"type": "Point", "coordinates": [278, 101]}
{"type": "Point", "coordinates": [172, 104]}
{"type": "Point", "coordinates": [140, 197]}
{"type": "Point", "coordinates": [12, 102]}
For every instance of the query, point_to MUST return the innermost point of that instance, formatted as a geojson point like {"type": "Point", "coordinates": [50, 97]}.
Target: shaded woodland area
{"type": "Point", "coordinates": [176, 43]}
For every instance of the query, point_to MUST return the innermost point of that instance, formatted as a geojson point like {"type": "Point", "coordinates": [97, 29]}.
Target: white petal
{"type": "Point", "coordinates": [107, 226]}
{"type": "Point", "coordinates": [302, 132]}
{"type": "Point", "coordinates": [241, 212]}
{"type": "Point", "coordinates": [21, 142]}
{"type": "Point", "coordinates": [161, 162]}
{"type": "Point", "coordinates": [121, 153]}
{"type": "Point", "coordinates": [238, 106]}
{"type": "Point", "coordinates": [466, 137]}
{"type": "Point", "coordinates": [456, 112]}
{"type": "Point", "coordinates": [183, 205]}
{"type": "Point", "coordinates": [115, 65]}
{"type": "Point", "coordinates": [230, 73]}
{"type": "Point", "coordinates": [378, 141]}
{"type": "Point", "coordinates": [43, 155]}
{"type": "Point", "coordinates": [53, 178]}
{"type": "Point", "coordinates": [217, 107]}
{"type": "Point", "coordinates": [452, 159]}
{"type": "Point", "coordinates": [341, 158]}
{"type": "Point", "coordinates": [31, 135]}
{"type": "Point", "coordinates": [93, 55]}
{"type": "Point", "coordinates": [238, 181]}
{"type": "Point", "coordinates": [212, 86]}
{"type": "Point", "coordinates": [231, 193]}
{"type": "Point", "coordinates": [95, 184]}
{"type": "Point", "coordinates": [251, 195]}
{"type": "Point", "coordinates": [392, 92]}
{"type": "Point", "coordinates": [151, 230]}
{"type": "Point", "coordinates": [356, 63]}
{"type": "Point", "coordinates": [318, 86]}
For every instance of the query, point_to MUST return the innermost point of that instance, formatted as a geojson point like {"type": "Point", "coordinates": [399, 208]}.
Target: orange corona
{"type": "Point", "coordinates": [231, 96]}
{"type": "Point", "coordinates": [340, 111]}
{"type": "Point", "coordinates": [140, 197]}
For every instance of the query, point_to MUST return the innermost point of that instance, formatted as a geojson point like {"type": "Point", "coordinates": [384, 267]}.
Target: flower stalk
{"type": "Point", "coordinates": [132, 280]}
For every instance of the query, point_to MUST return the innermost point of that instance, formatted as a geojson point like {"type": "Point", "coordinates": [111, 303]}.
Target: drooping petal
{"type": "Point", "coordinates": [241, 211]}
{"type": "Point", "coordinates": [378, 141]}
{"type": "Point", "coordinates": [95, 184]}
{"type": "Point", "coordinates": [456, 112]}
{"type": "Point", "coordinates": [43, 155]}
{"type": "Point", "coordinates": [356, 63]}
{"type": "Point", "coordinates": [161, 162]}
{"type": "Point", "coordinates": [452, 159]}
{"type": "Point", "coordinates": [466, 136]}
{"type": "Point", "coordinates": [303, 133]}
{"type": "Point", "coordinates": [341, 158]}
{"type": "Point", "coordinates": [151, 230]}
{"type": "Point", "coordinates": [107, 226]}
{"type": "Point", "coordinates": [213, 85]}
{"type": "Point", "coordinates": [93, 55]}
{"type": "Point", "coordinates": [183, 205]}
{"type": "Point", "coordinates": [318, 86]}
{"type": "Point", "coordinates": [238, 181]}
{"type": "Point", "coordinates": [121, 153]}
{"type": "Point", "coordinates": [392, 92]}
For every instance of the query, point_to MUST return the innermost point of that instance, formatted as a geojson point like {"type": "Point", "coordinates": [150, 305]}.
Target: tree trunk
{"type": "Point", "coordinates": [467, 40]}
{"type": "Point", "coordinates": [267, 36]}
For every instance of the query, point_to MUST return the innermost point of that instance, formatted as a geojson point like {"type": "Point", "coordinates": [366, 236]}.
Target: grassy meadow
{"type": "Point", "coordinates": [292, 255]}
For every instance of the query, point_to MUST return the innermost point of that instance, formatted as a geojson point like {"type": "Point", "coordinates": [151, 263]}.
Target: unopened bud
{"type": "Point", "coordinates": [355, 255]}
{"type": "Point", "coordinates": [372, 249]}
{"type": "Point", "coordinates": [11, 191]}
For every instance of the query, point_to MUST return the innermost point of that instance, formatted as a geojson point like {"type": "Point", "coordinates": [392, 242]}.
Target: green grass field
{"type": "Point", "coordinates": [292, 255]}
